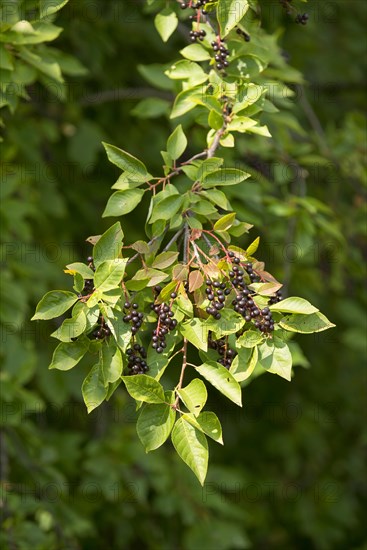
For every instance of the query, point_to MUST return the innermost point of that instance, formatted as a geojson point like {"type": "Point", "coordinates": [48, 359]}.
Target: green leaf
{"type": "Point", "coordinates": [229, 323]}
{"type": "Point", "coordinates": [189, 70]}
{"type": "Point", "coordinates": [78, 267]}
{"type": "Point", "coordinates": [276, 358]}
{"type": "Point", "coordinates": [48, 7]}
{"type": "Point", "coordinates": [150, 275]}
{"type": "Point", "coordinates": [185, 101]}
{"type": "Point", "coordinates": [265, 289]}
{"type": "Point", "coordinates": [229, 13]}
{"type": "Point", "coordinates": [250, 250]}
{"type": "Point", "coordinates": [222, 380]}
{"type": "Point", "coordinates": [166, 23]}
{"type": "Point", "coordinates": [120, 330]}
{"type": "Point", "coordinates": [196, 332]}
{"type": "Point", "coordinates": [54, 304]}
{"type": "Point", "coordinates": [6, 59]}
{"type": "Point", "coordinates": [49, 68]}
{"type": "Point", "coordinates": [151, 107]}
{"type": "Point", "coordinates": [123, 202]}
{"type": "Point", "coordinates": [108, 247]}
{"type": "Point", "coordinates": [218, 198]}
{"type": "Point", "coordinates": [316, 322]}
{"type": "Point", "coordinates": [108, 274]}
{"type": "Point", "coordinates": [194, 223]}
{"type": "Point", "coordinates": [224, 176]}
{"type": "Point", "coordinates": [111, 363]}
{"type": "Point", "coordinates": [191, 445]}
{"type": "Point", "coordinates": [71, 328]}
{"type": "Point", "coordinates": [194, 396]}
{"type": "Point", "coordinates": [225, 222]}
{"type": "Point", "coordinates": [67, 355]}
{"type": "Point", "coordinates": [155, 423]}
{"type": "Point", "coordinates": [208, 423]}
{"type": "Point", "coordinates": [294, 305]}
{"type": "Point", "coordinates": [93, 389]}
{"type": "Point", "coordinates": [249, 339]}
{"type": "Point", "coordinates": [166, 208]}
{"type": "Point", "coordinates": [23, 33]}
{"type": "Point", "coordinates": [176, 143]}
{"type": "Point", "coordinates": [134, 168]}
{"type": "Point", "coordinates": [144, 388]}
{"type": "Point", "coordinates": [195, 52]}
{"type": "Point", "coordinates": [243, 365]}
{"type": "Point", "coordinates": [158, 362]}
{"type": "Point", "coordinates": [215, 120]}
{"type": "Point", "coordinates": [165, 259]}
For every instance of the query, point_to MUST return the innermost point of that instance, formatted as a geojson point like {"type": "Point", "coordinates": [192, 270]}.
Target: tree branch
{"type": "Point", "coordinates": [174, 239]}
{"type": "Point", "coordinates": [214, 146]}
{"type": "Point", "coordinates": [184, 365]}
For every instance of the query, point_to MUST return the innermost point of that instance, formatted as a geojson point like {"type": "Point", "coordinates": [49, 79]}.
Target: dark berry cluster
{"type": "Point", "coordinates": [244, 34]}
{"type": "Point", "coordinates": [166, 323]}
{"type": "Point", "coordinates": [133, 316]}
{"type": "Point", "coordinates": [302, 18]}
{"type": "Point", "coordinates": [245, 306]}
{"type": "Point", "coordinates": [195, 35]}
{"type": "Point", "coordinates": [226, 355]}
{"type": "Point", "coordinates": [88, 283]}
{"type": "Point", "coordinates": [221, 54]}
{"type": "Point", "coordinates": [101, 331]}
{"type": "Point", "coordinates": [277, 298]}
{"type": "Point", "coordinates": [216, 294]}
{"type": "Point", "coordinates": [136, 360]}
{"type": "Point", "coordinates": [198, 5]}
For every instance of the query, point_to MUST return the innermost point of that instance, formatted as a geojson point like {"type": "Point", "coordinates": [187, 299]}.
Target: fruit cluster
{"type": "Point", "coordinates": [226, 355]}
{"type": "Point", "coordinates": [277, 298]}
{"type": "Point", "coordinates": [198, 5]}
{"type": "Point", "coordinates": [166, 323]}
{"type": "Point", "coordinates": [136, 360]}
{"type": "Point", "coordinates": [101, 331]}
{"type": "Point", "coordinates": [133, 316]}
{"type": "Point", "coordinates": [89, 283]}
{"type": "Point", "coordinates": [221, 54]}
{"type": "Point", "coordinates": [302, 18]}
{"type": "Point", "coordinates": [216, 294]}
{"type": "Point", "coordinates": [195, 35]}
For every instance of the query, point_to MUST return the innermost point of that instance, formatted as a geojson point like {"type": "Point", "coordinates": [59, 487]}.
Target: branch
{"type": "Point", "coordinates": [214, 146]}
{"type": "Point", "coordinates": [184, 365]}
{"type": "Point", "coordinates": [186, 244]}
{"type": "Point", "coordinates": [174, 239]}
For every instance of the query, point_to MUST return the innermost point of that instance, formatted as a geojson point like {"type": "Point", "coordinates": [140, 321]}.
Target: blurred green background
{"type": "Point", "coordinates": [292, 473]}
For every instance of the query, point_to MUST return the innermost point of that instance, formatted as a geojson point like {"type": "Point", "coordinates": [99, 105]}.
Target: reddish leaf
{"type": "Point", "coordinates": [195, 280]}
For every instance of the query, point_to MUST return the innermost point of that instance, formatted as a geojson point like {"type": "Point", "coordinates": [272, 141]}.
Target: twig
{"type": "Point", "coordinates": [174, 239]}
{"type": "Point", "coordinates": [184, 365]}
{"type": "Point", "coordinates": [186, 244]}
{"type": "Point", "coordinates": [214, 146]}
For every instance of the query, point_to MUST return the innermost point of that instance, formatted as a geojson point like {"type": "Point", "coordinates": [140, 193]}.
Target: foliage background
{"type": "Point", "coordinates": [291, 474]}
